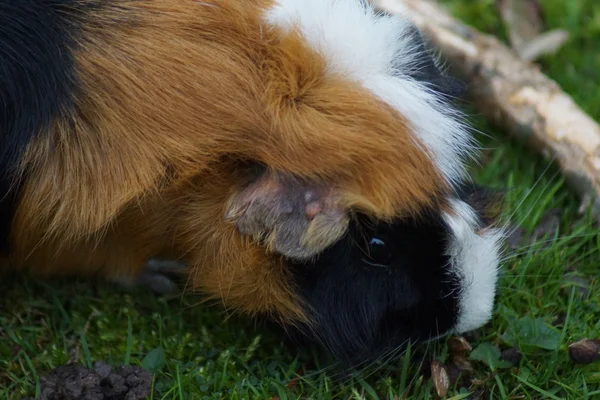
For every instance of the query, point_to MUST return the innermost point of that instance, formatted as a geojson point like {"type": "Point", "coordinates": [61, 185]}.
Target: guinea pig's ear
{"type": "Point", "coordinates": [427, 70]}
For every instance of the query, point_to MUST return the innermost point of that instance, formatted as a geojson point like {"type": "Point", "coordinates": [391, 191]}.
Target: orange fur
{"type": "Point", "coordinates": [170, 94]}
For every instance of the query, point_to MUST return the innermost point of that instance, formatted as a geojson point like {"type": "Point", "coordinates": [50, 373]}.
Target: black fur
{"type": "Point", "coordinates": [362, 310]}
{"type": "Point", "coordinates": [485, 201]}
{"type": "Point", "coordinates": [425, 69]}
{"type": "Point", "coordinates": [36, 81]}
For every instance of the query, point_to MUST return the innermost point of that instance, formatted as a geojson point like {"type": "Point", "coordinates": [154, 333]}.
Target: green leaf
{"type": "Point", "coordinates": [509, 314]}
{"type": "Point", "coordinates": [529, 332]}
{"type": "Point", "coordinates": [282, 392]}
{"type": "Point", "coordinates": [369, 389]}
{"type": "Point", "coordinates": [546, 393]}
{"type": "Point", "coordinates": [525, 373]}
{"type": "Point", "coordinates": [490, 355]}
{"type": "Point", "coordinates": [460, 396]}
{"type": "Point", "coordinates": [155, 360]}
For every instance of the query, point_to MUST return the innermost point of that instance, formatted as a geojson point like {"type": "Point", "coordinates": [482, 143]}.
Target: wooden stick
{"type": "Point", "coordinates": [514, 95]}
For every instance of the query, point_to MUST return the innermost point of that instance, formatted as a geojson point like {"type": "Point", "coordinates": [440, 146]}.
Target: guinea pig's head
{"type": "Point", "coordinates": [419, 276]}
{"type": "Point", "coordinates": [413, 279]}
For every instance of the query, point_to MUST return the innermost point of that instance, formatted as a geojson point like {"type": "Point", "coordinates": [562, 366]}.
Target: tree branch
{"type": "Point", "coordinates": [514, 95]}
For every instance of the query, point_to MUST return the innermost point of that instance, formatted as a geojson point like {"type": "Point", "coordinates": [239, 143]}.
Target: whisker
{"type": "Point", "coordinates": [392, 354]}
{"type": "Point", "coordinates": [530, 191]}
{"type": "Point", "coordinates": [528, 248]}
{"type": "Point", "coordinates": [420, 367]}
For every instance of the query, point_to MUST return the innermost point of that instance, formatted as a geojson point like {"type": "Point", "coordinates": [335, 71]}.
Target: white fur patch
{"type": "Point", "coordinates": [376, 51]}
{"type": "Point", "coordinates": [474, 260]}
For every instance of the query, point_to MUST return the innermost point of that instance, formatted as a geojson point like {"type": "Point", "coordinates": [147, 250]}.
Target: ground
{"type": "Point", "coordinates": [548, 295]}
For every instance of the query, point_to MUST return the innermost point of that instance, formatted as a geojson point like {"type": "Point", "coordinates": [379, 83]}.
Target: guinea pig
{"type": "Point", "coordinates": [301, 158]}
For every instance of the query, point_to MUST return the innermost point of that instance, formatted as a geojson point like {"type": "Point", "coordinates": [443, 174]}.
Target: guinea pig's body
{"type": "Point", "coordinates": [257, 141]}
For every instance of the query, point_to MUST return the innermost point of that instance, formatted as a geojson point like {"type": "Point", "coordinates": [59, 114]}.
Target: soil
{"type": "Point", "coordinates": [103, 382]}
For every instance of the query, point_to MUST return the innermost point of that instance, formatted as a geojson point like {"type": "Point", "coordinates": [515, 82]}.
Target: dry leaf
{"type": "Point", "coordinates": [585, 351]}
{"type": "Point", "coordinates": [454, 373]}
{"type": "Point", "coordinates": [458, 346]}
{"type": "Point", "coordinates": [463, 364]}
{"type": "Point", "coordinates": [441, 381]}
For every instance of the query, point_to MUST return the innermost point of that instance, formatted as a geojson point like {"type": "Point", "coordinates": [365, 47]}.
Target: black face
{"type": "Point", "coordinates": [382, 285]}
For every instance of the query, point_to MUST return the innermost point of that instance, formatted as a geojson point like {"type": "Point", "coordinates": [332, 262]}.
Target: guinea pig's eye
{"type": "Point", "coordinates": [377, 254]}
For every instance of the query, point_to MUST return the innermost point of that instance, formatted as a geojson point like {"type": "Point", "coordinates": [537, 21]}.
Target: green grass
{"type": "Point", "coordinates": [44, 324]}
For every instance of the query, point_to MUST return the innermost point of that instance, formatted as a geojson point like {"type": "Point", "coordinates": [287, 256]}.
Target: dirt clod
{"type": "Point", "coordinates": [75, 382]}
{"type": "Point", "coordinates": [102, 369]}
{"type": "Point", "coordinates": [511, 355]}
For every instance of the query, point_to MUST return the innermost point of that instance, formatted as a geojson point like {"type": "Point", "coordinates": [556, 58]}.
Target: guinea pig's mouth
{"type": "Point", "coordinates": [413, 280]}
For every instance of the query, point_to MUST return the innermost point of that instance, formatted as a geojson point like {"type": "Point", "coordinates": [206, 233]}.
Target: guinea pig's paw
{"type": "Point", "coordinates": [158, 275]}
{"type": "Point", "coordinates": [157, 282]}
{"type": "Point", "coordinates": [293, 218]}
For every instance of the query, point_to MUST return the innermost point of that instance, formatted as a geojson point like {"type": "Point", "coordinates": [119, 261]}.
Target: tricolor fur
{"type": "Point", "coordinates": [246, 138]}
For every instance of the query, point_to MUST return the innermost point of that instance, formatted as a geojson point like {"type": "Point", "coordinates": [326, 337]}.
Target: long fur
{"type": "Point", "coordinates": [162, 94]}
{"type": "Point", "coordinates": [129, 126]}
